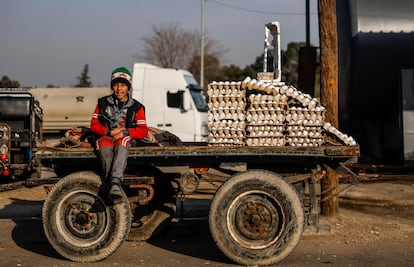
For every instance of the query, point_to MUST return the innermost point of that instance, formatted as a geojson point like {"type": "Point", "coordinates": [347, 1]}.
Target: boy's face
{"type": "Point", "coordinates": [121, 91]}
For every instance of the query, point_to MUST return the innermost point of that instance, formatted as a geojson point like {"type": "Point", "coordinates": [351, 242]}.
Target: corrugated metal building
{"type": "Point", "coordinates": [376, 77]}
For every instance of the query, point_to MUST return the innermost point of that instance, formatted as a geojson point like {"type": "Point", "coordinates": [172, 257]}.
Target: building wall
{"type": "Point", "coordinates": [376, 40]}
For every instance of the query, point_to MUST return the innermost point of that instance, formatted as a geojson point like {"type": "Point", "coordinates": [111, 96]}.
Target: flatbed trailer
{"type": "Point", "coordinates": [264, 199]}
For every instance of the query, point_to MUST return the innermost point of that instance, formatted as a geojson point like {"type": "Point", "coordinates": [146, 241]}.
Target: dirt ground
{"type": "Point", "coordinates": [362, 235]}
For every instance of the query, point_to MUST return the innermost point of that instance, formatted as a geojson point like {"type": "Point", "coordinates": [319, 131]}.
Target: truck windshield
{"type": "Point", "coordinates": [198, 98]}
{"type": "Point", "coordinates": [196, 93]}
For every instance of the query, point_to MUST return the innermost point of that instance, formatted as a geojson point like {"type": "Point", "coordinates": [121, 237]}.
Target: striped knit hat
{"type": "Point", "coordinates": [121, 75]}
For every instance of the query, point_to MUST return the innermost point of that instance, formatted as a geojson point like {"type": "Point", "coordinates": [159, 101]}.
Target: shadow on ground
{"type": "Point", "coordinates": [28, 230]}
{"type": "Point", "coordinates": [191, 238]}
{"type": "Point", "coordinates": [29, 235]}
{"type": "Point", "coordinates": [189, 233]}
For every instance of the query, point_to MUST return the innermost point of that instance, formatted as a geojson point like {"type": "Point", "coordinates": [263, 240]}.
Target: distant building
{"type": "Point", "coordinates": [376, 77]}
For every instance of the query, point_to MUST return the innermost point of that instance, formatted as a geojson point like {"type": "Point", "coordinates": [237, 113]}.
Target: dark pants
{"type": "Point", "coordinates": [114, 155]}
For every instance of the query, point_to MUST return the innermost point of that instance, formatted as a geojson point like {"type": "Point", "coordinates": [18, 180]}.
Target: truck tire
{"type": "Point", "coordinates": [150, 219]}
{"type": "Point", "coordinates": [80, 223]}
{"type": "Point", "coordinates": [256, 218]}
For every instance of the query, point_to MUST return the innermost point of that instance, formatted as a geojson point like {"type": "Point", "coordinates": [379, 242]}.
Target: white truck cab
{"type": "Point", "coordinates": [173, 101]}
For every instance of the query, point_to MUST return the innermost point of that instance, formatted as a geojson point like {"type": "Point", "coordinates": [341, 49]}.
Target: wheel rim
{"type": "Point", "coordinates": [255, 219]}
{"type": "Point", "coordinates": [83, 218]}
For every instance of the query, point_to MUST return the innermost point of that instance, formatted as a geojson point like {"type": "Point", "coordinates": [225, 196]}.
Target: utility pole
{"type": "Point", "coordinates": [329, 59]}
{"type": "Point", "coordinates": [202, 45]}
{"type": "Point", "coordinates": [329, 94]}
{"type": "Point", "coordinates": [307, 23]}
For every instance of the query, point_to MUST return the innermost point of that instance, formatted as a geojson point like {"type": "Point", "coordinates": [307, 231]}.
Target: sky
{"type": "Point", "coordinates": [49, 41]}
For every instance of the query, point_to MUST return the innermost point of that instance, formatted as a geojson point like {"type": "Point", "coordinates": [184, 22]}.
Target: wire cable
{"type": "Point", "coordinates": [259, 11]}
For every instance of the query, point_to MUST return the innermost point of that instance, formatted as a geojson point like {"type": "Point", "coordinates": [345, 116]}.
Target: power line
{"type": "Point", "coordinates": [259, 11]}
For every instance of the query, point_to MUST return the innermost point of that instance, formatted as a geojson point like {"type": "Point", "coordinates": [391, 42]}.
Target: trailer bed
{"type": "Point", "coordinates": [193, 151]}
{"type": "Point", "coordinates": [285, 159]}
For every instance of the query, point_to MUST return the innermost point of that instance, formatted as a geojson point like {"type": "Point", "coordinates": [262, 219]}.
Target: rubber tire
{"type": "Point", "coordinates": [70, 234]}
{"type": "Point", "coordinates": [155, 215]}
{"type": "Point", "coordinates": [237, 236]}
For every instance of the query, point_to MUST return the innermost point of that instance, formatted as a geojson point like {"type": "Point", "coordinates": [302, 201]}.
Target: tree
{"type": "Point", "coordinates": [257, 66]}
{"type": "Point", "coordinates": [290, 63]}
{"type": "Point", "coordinates": [170, 46]}
{"type": "Point", "coordinates": [212, 70]}
{"type": "Point", "coordinates": [6, 82]}
{"type": "Point", "coordinates": [290, 60]}
{"type": "Point", "coordinates": [83, 79]}
{"type": "Point", "coordinates": [233, 73]}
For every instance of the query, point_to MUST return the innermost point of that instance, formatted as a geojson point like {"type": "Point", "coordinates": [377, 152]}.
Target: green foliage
{"type": "Point", "coordinates": [83, 79]}
{"type": "Point", "coordinates": [7, 82]}
{"type": "Point", "coordinates": [290, 63]}
{"type": "Point", "coordinates": [257, 66]}
{"type": "Point", "coordinates": [213, 71]}
{"type": "Point", "coordinates": [234, 73]}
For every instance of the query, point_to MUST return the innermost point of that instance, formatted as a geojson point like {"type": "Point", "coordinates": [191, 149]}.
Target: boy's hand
{"type": "Point", "coordinates": [117, 131]}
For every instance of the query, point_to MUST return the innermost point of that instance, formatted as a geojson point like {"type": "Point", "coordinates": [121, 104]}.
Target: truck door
{"type": "Point", "coordinates": [154, 100]}
{"type": "Point", "coordinates": [179, 115]}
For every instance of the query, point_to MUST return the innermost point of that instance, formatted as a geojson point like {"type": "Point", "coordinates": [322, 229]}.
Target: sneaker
{"type": "Point", "coordinates": [115, 194]}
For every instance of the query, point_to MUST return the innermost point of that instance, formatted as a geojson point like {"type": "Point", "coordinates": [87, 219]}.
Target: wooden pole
{"type": "Point", "coordinates": [329, 92]}
{"type": "Point", "coordinates": [329, 59]}
{"type": "Point", "coordinates": [330, 191]}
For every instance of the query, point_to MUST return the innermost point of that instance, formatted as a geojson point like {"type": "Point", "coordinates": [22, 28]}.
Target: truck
{"type": "Point", "coordinates": [172, 98]}
{"type": "Point", "coordinates": [263, 166]}
{"type": "Point", "coordinates": [173, 101]}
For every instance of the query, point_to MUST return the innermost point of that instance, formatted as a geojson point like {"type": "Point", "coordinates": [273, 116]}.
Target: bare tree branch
{"type": "Point", "coordinates": [170, 46]}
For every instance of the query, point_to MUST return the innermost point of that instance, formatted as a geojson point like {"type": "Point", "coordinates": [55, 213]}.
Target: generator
{"type": "Point", "coordinates": [21, 119]}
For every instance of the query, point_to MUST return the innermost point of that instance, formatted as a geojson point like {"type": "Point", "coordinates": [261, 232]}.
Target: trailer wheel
{"type": "Point", "coordinates": [256, 218]}
{"type": "Point", "coordinates": [79, 222]}
{"type": "Point", "coordinates": [150, 219]}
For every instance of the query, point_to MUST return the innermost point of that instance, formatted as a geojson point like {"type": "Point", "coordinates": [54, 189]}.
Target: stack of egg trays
{"type": "Point", "coordinates": [279, 115]}
{"type": "Point", "coordinates": [265, 114]}
{"type": "Point", "coordinates": [338, 136]}
{"type": "Point", "coordinates": [304, 126]}
{"type": "Point", "coordinates": [260, 113]}
{"type": "Point", "coordinates": [304, 119]}
{"type": "Point", "coordinates": [226, 115]}
{"type": "Point", "coordinates": [265, 118]}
